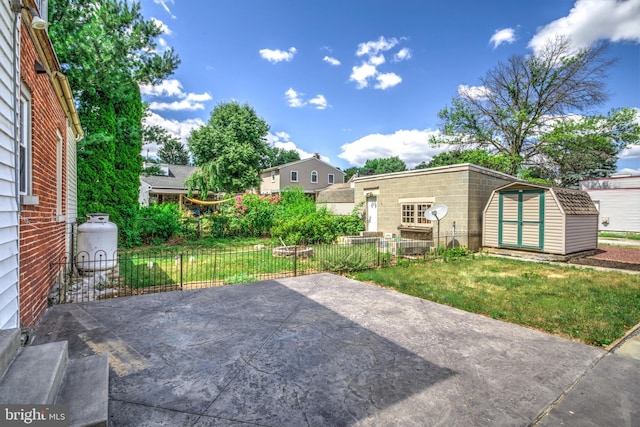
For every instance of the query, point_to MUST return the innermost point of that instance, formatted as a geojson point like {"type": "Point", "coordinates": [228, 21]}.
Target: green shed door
{"type": "Point", "coordinates": [521, 219]}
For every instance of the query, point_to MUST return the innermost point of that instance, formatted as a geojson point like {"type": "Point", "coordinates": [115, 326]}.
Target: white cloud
{"type": "Point", "coordinates": [283, 140]}
{"type": "Point", "coordinates": [374, 47]}
{"type": "Point", "coordinates": [182, 105]}
{"type": "Point", "coordinates": [402, 54]}
{"type": "Point", "coordinates": [505, 35]}
{"type": "Point", "coordinates": [331, 60]}
{"type": "Point", "coordinates": [387, 80]}
{"type": "Point", "coordinates": [276, 55]}
{"type": "Point", "coordinates": [319, 102]}
{"type": "Point", "coordinates": [473, 92]}
{"type": "Point", "coordinates": [169, 87]}
{"type": "Point", "coordinates": [179, 129]}
{"type": "Point", "coordinates": [294, 99]}
{"type": "Point", "coordinates": [163, 3]}
{"type": "Point", "coordinates": [412, 146]}
{"type": "Point", "coordinates": [165, 29]}
{"type": "Point", "coordinates": [628, 171]}
{"type": "Point", "coordinates": [172, 88]}
{"type": "Point", "coordinates": [361, 74]}
{"type": "Point", "coordinates": [593, 20]}
{"type": "Point", "coordinates": [631, 152]}
{"type": "Point", "coordinates": [368, 69]}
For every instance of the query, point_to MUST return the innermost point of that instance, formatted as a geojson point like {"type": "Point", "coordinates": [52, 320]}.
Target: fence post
{"type": "Point", "coordinates": [379, 246]}
{"type": "Point", "coordinates": [295, 260]}
{"type": "Point", "coordinates": [181, 265]}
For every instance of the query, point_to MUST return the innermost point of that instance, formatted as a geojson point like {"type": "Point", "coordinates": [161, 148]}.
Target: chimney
{"type": "Point", "coordinates": [316, 156]}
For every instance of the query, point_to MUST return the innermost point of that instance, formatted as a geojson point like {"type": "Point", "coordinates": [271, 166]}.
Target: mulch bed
{"type": "Point", "coordinates": [612, 257]}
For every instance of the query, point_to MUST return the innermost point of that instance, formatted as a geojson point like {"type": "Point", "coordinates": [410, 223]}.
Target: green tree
{"type": "Point", "coordinates": [280, 156]}
{"type": "Point", "coordinates": [350, 172]}
{"type": "Point", "coordinates": [587, 147]}
{"type": "Point", "coordinates": [173, 152]}
{"type": "Point", "coordinates": [230, 150]}
{"type": "Point", "coordinates": [382, 165]}
{"type": "Point", "coordinates": [480, 157]}
{"type": "Point", "coordinates": [517, 100]}
{"type": "Point", "coordinates": [106, 48]}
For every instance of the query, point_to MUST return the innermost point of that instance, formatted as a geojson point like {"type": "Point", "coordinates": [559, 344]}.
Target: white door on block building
{"type": "Point", "coordinates": [372, 213]}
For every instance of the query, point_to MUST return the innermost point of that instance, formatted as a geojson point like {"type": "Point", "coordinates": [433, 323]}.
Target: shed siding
{"type": "Point", "coordinates": [582, 233]}
{"type": "Point", "coordinates": [490, 223]}
{"type": "Point", "coordinates": [553, 226]}
{"type": "Point", "coordinates": [8, 202]}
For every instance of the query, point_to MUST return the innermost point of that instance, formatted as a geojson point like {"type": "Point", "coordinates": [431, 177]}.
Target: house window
{"type": "Point", "coordinates": [294, 176]}
{"type": "Point", "coordinates": [273, 176]}
{"type": "Point", "coordinates": [331, 178]}
{"type": "Point", "coordinates": [314, 177]}
{"type": "Point", "coordinates": [412, 212]}
{"type": "Point", "coordinates": [25, 142]}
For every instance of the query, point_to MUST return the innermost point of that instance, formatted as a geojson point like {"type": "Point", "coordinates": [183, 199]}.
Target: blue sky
{"type": "Point", "coordinates": [360, 79]}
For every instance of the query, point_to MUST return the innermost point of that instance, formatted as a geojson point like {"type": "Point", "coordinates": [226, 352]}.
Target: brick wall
{"type": "Point", "coordinates": [42, 226]}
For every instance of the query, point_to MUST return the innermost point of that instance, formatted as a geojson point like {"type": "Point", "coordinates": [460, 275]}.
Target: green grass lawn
{"type": "Point", "coordinates": [631, 236]}
{"type": "Point", "coordinates": [590, 306]}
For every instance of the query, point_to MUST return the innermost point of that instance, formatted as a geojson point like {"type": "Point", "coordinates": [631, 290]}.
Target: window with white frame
{"type": "Point", "coordinates": [314, 177]}
{"type": "Point", "coordinates": [25, 184]}
{"type": "Point", "coordinates": [294, 176]}
{"type": "Point", "coordinates": [331, 178]}
{"type": "Point", "coordinates": [412, 212]}
{"type": "Point", "coordinates": [273, 176]}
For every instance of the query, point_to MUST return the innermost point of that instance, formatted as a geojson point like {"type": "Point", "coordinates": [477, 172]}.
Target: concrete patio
{"type": "Point", "coordinates": [323, 350]}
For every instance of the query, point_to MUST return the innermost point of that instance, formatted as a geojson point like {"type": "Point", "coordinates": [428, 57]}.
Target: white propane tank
{"type": "Point", "coordinates": [97, 244]}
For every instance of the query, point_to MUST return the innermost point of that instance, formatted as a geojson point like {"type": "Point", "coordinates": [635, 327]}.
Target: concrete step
{"type": "Point", "coordinates": [85, 389]}
{"type": "Point", "coordinates": [9, 346]}
{"type": "Point", "coordinates": [34, 376]}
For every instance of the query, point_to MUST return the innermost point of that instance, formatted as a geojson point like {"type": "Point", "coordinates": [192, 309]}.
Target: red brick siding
{"type": "Point", "coordinates": [42, 235]}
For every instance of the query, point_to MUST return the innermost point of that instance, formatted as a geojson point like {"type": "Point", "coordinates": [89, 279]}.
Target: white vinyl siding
{"type": "Point", "coordinates": [72, 192]}
{"type": "Point", "coordinates": [8, 200]}
{"type": "Point", "coordinates": [554, 226]}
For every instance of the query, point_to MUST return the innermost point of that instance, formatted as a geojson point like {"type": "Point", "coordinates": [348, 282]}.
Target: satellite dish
{"type": "Point", "coordinates": [436, 212]}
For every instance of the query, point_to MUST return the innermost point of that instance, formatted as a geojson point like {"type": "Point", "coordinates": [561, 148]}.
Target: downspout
{"type": "Point", "coordinates": [16, 139]}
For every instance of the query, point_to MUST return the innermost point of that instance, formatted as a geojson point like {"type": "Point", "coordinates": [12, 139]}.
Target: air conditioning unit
{"type": "Point", "coordinates": [389, 235]}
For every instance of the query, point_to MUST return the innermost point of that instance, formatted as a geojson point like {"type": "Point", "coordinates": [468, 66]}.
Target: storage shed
{"type": "Point", "coordinates": [538, 218]}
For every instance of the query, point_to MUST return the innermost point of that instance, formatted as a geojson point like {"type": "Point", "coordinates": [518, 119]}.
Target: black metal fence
{"type": "Point", "coordinates": [100, 275]}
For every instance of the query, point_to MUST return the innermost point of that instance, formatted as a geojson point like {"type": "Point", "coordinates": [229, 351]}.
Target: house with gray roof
{"type": "Point", "coordinates": [166, 187]}
{"type": "Point", "coordinates": [337, 198]}
{"type": "Point", "coordinates": [310, 174]}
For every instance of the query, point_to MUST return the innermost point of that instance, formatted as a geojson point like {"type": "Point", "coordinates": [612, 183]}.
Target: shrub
{"type": "Point", "coordinates": [251, 215]}
{"type": "Point", "coordinates": [341, 263]}
{"type": "Point", "coordinates": [158, 223]}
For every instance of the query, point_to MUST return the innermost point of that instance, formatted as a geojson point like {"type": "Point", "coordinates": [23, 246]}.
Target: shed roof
{"type": "Point", "coordinates": [575, 202]}
{"type": "Point", "coordinates": [572, 202]}
{"type": "Point", "coordinates": [337, 193]}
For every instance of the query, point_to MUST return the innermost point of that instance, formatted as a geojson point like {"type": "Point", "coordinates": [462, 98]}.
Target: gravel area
{"type": "Point", "coordinates": [613, 257]}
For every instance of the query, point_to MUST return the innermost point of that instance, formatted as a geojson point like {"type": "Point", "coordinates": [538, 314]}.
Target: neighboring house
{"type": "Point", "coordinates": [539, 218]}
{"type": "Point", "coordinates": [38, 129]}
{"type": "Point", "coordinates": [337, 198]}
{"type": "Point", "coordinates": [167, 187]}
{"type": "Point", "coordinates": [396, 202]}
{"type": "Point", "coordinates": [310, 174]}
{"type": "Point", "coordinates": [618, 201]}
